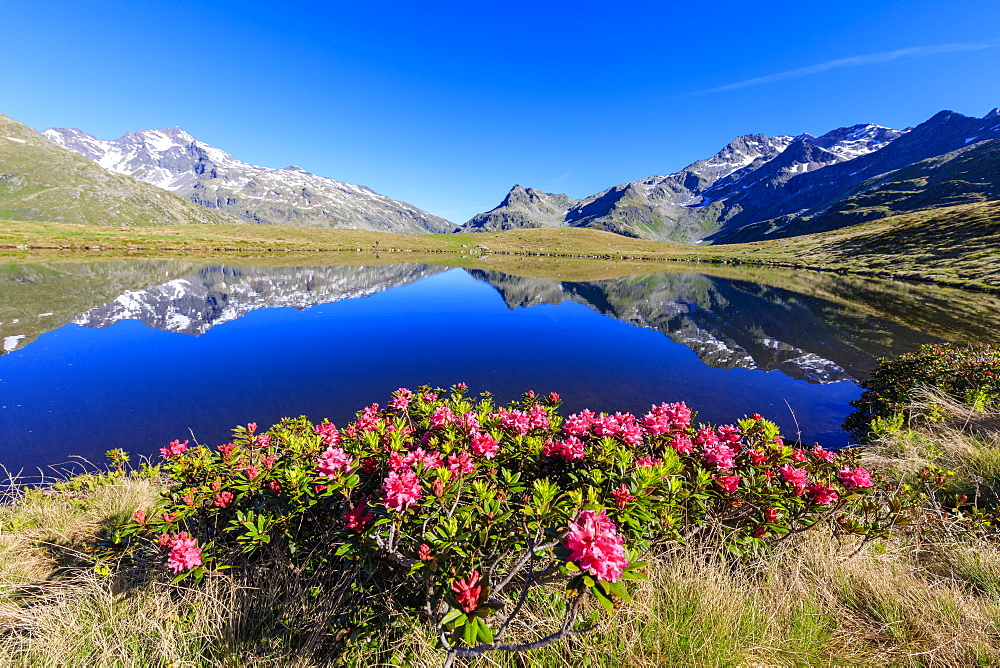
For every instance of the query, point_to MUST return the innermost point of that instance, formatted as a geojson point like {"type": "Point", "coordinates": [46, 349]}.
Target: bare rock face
{"type": "Point", "coordinates": [174, 160]}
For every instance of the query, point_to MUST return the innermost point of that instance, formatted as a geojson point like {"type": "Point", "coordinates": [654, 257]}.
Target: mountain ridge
{"type": "Point", "coordinates": [174, 160]}
{"type": "Point", "coordinates": [756, 187]}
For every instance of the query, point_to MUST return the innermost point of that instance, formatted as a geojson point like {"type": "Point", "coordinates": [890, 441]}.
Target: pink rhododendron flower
{"type": "Point", "coordinates": [760, 531]}
{"type": "Point", "coordinates": [430, 460]}
{"type": "Point", "coordinates": [665, 418]}
{"type": "Point", "coordinates": [401, 399]}
{"type": "Point", "coordinates": [139, 517]}
{"type": "Point", "coordinates": [358, 517]}
{"type": "Point", "coordinates": [647, 461]}
{"type": "Point", "coordinates": [484, 445]}
{"type": "Point", "coordinates": [682, 444]}
{"type": "Point", "coordinates": [771, 515]}
{"type": "Point", "coordinates": [517, 421]}
{"type": "Point", "coordinates": [579, 424]}
{"type": "Point", "coordinates": [799, 455]}
{"type": "Point", "coordinates": [184, 552]}
{"type": "Point", "coordinates": [569, 448]}
{"type": "Point", "coordinates": [467, 592]}
{"type": "Point", "coordinates": [251, 427]}
{"type": "Point", "coordinates": [328, 433]}
{"type": "Point", "coordinates": [461, 387]}
{"type": "Point", "coordinates": [706, 437]}
{"type": "Point", "coordinates": [728, 433]}
{"type": "Point", "coordinates": [188, 500]}
{"type": "Point", "coordinates": [757, 416]}
{"type": "Point", "coordinates": [268, 461]}
{"type": "Point", "coordinates": [727, 483]}
{"type": "Point", "coordinates": [368, 464]}
{"type": "Point", "coordinates": [823, 494]}
{"type": "Point", "coordinates": [720, 454]}
{"type": "Point", "coordinates": [596, 547]}
{"type": "Point", "coordinates": [554, 397]}
{"type": "Point", "coordinates": [538, 417]}
{"type": "Point", "coordinates": [469, 420]}
{"type": "Point", "coordinates": [632, 434]}
{"type": "Point", "coordinates": [461, 464]}
{"type": "Point", "coordinates": [368, 421]}
{"type": "Point", "coordinates": [430, 396]}
{"type": "Point", "coordinates": [797, 478]}
{"type": "Point", "coordinates": [251, 472]}
{"type": "Point", "coordinates": [274, 486]}
{"type": "Point", "coordinates": [823, 455]}
{"type": "Point", "coordinates": [223, 499]}
{"type": "Point", "coordinates": [173, 448]}
{"type": "Point", "coordinates": [424, 552]}
{"type": "Point", "coordinates": [622, 496]}
{"type": "Point", "coordinates": [226, 450]}
{"type": "Point", "coordinates": [442, 417]}
{"type": "Point", "coordinates": [395, 461]}
{"type": "Point", "coordinates": [606, 425]}
{"type": "Point", "coordinates": [333, 462]}
{"type": "Point", "coordinates": [757, 457]}
{"type": "Point", "coordinates": [859, 477]}
{"type": "Point", "coordinates": [402, 489]}
{"type": "Point", "coordinates": [264, 440]}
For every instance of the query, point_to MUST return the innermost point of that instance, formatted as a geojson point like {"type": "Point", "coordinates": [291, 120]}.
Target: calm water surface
{"type": "Point", "coordinates": [134, 354]}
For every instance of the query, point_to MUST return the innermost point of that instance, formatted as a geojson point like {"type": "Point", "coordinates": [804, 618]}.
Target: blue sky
{"type": "Point", "coordinates": [447, 104]}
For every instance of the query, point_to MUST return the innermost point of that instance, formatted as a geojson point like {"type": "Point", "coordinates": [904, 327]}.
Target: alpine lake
{"type": "Point", "coordinates": [132, 354]}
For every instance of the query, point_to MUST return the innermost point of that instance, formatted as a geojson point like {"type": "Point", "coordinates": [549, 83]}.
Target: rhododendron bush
{"type": "Point", "coordinates": [456, 508]}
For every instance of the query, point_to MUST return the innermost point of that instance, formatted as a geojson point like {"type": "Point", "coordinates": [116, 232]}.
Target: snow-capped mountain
{"type": "Point", "coordinates": [174, 160]}
{"type": "Point", "coordinates": [684, 205]}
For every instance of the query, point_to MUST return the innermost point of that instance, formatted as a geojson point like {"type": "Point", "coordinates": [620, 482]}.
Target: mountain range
{"type": "Point", "coordinates": [760, 187]}
{"type": "Point", "coordinates": [756, 188]}
{"type": "Point", "coordinates": [172, 159]}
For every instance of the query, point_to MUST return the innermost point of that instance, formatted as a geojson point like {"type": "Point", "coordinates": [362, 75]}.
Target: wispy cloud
{"type": "Point", "coordinates": [854, 61]}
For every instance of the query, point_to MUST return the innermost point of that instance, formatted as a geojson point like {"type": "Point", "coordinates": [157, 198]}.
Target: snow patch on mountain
{"type": "Point", "coordinates": [174, 160]}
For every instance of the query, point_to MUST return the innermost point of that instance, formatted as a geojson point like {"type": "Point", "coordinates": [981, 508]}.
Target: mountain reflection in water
{"type": "Point", "coordinates": [446, 331]}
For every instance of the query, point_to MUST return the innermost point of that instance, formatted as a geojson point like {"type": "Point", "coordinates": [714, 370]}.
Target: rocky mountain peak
{"type": "Point", "coordinates": [174, 160]}
{"type": "Point", "coordinates": [995, 113]}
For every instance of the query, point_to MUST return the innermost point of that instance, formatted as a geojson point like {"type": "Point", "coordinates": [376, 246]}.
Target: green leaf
{"type": "Point", "coordinates": [619, 590]}
{"type": "Point", "coordinates": [485, 633]}
{"type": "Point", "coordinates": [471, 632]}
{"type": "Point", "coordinates": [452, 615]}
{"type": "Point", "coordinates": [605, 602]}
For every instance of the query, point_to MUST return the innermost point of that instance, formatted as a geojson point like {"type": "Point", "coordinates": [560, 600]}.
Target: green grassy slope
{"type": "Point", "coordinates": [959, 244]}
{"type": "Point", "coordinates": [966, 176]}
{"type": "Point", "coordinates": [42, 181]}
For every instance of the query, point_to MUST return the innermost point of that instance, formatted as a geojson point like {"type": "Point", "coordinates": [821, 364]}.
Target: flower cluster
{"type": "Point", "coordinates": [184, 551]}
{"type": "Point", "coordinates": [596, 547]}
{"type": "Point", "coordinates": [449, 495]}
